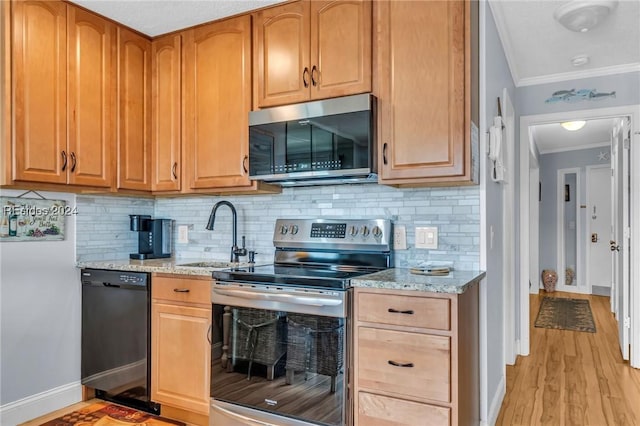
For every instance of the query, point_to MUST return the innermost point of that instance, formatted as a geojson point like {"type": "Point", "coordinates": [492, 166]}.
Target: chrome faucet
{"type": "Point", "coordinates": [236, 252]}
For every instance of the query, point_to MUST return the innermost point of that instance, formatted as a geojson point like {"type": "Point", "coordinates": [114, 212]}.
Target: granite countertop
{"type": "Point", "coordinates": [165, 266]}
{"type": "Point", "coordinates": [456, 282]}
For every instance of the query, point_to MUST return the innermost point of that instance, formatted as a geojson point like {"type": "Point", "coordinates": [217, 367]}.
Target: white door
{"type": "Point", "coordinates": [619, 243]}
{"type": "Point", "coordinates": [599, 230]}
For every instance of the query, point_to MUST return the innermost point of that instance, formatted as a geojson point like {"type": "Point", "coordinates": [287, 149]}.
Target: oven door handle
{"type": "Point", "coordinates": [238, 416]}
{"type": "Point", "coordinates": [287, 298]}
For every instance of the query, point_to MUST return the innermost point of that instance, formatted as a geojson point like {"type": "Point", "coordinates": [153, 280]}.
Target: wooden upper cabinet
{"type": "Point", "coordinates": [91, 99]}
{"type": "Point", "coordinates": [134, 111]}
{"type": "Point", "coordinates": [423, 62]}
{"type": "Point", "coordinates": [166, 113]}
{"type": "Point", "coordinates": [312, 50]}
{"type": "Point", "coordinates": [340, 47]}
{"type": "Point", "coordinates": [40, 91]}
{"type": "Point", "coordinates": [216, 103]}
{"type": "Point", "coordinates": [282, 70]}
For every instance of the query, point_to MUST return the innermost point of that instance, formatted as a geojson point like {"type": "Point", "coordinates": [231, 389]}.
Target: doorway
{"type": "Point", "coordinates": [526, 207]}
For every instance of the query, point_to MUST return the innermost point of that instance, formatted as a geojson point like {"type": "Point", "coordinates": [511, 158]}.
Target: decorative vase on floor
{"type": "Point", "coordinates": [549, 279]}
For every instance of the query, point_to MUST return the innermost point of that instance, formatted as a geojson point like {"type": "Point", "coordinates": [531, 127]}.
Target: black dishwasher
{"type": "Point", "coordinates": [116, 343]}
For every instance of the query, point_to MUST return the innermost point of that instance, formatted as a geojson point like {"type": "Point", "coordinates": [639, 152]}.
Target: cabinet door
{"type": "Point", "coordinates": [40, 95]}
{"type": "Point", "coordinates": [134, 114]}
{"type": "Point", "coordinates": [282, 70]}
{"type": "Point", "coordinates": [180, 356]}
{"type": "Point", "coordinates": [91, 99]}
{"type": "Point", "coordinates": [166, 113]}
{"type": "Point", "coordinates": [424, 105]}
{"type": "Point", "coordinates": [217, 100]}
{"type": "Point", "coordinates": [340, 48]}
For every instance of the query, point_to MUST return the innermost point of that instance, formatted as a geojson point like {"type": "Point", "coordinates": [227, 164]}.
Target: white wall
{"type": "Point", "coordinates": [39, 324]}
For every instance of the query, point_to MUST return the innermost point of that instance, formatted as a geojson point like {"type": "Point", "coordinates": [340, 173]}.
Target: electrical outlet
{"type": "Point", "coordinates": [427, 237]}
{"type": "Point", "coordinates": [399, 237]}
{"type": "Point", "coordinates": [183, 234]}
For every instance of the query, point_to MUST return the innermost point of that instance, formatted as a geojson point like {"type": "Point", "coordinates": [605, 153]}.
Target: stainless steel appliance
{"type": "Point", "coordinates": [281, 331]}
{"type": "Point", "coordinates": [314, 143]}
{"type": "Point", "coordinates": [154, 237]}
{"type": "Point", "coordinates": [115, 336]}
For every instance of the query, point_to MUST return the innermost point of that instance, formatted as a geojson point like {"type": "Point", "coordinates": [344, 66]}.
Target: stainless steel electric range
{"type": "Point", "coordinates": [280, 332]}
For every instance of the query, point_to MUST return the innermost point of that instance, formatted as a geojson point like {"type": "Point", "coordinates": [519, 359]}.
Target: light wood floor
{"type": "Point", "coordinates": [572, 378]}
{"type": "Point", "coordinates": [58, 413]}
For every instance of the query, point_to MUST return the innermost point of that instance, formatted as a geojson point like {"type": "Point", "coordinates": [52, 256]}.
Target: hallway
{"type": "Point", "coordinates": [572, 378]}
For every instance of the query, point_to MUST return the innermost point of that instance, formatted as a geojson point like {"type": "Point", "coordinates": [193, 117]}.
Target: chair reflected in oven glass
{"type": "Point", "coordinates": [257, 336]}
{"type": "Point", "coordinates": [314, 345]}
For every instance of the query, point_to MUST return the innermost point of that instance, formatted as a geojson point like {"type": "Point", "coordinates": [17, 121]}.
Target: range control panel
{"type": "Point", "coordinates": [367, 234]}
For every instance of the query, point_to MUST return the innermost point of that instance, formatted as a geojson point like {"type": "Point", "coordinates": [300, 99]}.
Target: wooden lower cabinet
{"type": "Point", "coordinates": [180, 348]}
{"type": "Point", "coordinates": [415, 358]}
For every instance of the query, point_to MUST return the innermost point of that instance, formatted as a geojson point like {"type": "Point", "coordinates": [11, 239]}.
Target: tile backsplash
{"type": "Point", "coordinates": [103, 229]}
{"type": "Point", "coordinates": [102, 226]}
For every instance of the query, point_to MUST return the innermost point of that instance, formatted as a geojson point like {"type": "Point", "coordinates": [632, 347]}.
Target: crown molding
{"type": "Point", "coordinates": [577, 75]}
{"type": "Point", "coordinates": [503, 35]}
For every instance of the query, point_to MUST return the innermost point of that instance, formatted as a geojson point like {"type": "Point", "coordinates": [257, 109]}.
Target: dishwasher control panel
{"type": "Point", "coordinates": [113, 278]}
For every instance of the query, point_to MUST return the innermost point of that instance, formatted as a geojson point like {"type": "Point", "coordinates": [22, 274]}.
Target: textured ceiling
{"type": "Point", "coordinates": [539, 49]}
{"type": "Point", "coordinates": [155, 17]}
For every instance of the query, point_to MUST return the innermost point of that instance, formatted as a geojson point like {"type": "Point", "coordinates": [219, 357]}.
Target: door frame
{"type": "Point", "coordinates": [526, 121]}
{"type": "Point", "coordinates": [588, 231]}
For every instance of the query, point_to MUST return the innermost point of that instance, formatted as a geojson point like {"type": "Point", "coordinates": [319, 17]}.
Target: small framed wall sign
{"type": "Point", "coordinates": [32, 219]}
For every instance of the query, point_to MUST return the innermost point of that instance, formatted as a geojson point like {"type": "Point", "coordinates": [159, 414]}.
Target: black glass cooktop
{"type": "Point", "coordinates": [299, 276]}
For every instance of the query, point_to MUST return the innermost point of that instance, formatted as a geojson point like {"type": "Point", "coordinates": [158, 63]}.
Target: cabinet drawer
{"type": "Point", "coordinates": [411, 364]}
{"type": "Point", "coordinates": [181, 290]}
{"type": "Point", "coordinates": [408, 311]}
{"type": "Point", "coordinates": [377, 410]}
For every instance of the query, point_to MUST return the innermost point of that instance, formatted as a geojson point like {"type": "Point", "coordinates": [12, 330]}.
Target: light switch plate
{"type": "Point", "coordinates": [427, 237]}
{"type": "Point", "coordinates": [183, 234]}
{"type": "Point", "coordinates": [399, 237]}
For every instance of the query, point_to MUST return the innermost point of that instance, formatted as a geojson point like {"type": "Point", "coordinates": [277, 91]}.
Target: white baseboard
{"type": "Point", "coordinates": [37, 405]}
{"type": "Point", "coordinates": [496, 403]}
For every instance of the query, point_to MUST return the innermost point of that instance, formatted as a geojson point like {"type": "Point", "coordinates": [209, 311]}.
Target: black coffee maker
{"type": "Point", "coordinates": [154, 237]}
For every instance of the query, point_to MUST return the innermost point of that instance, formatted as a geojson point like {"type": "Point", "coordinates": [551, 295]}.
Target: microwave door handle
{"type": "Point", "coordinates": [288, 298]}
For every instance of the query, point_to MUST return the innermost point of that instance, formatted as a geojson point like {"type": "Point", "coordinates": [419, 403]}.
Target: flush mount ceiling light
{"type": "Point", "coordinates": [572, 126]}
{"type": "Point", "coordinates": [583, 15]}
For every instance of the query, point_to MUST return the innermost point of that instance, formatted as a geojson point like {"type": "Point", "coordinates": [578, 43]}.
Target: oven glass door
{"type": "Point", "coordinates": [285, 359]}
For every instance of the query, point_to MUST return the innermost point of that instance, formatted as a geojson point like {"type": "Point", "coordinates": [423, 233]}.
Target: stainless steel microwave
{"type": "Point", "coordinates": [314, 143]}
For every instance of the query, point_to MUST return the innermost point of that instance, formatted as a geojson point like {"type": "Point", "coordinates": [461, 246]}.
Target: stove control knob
{"type": "Point", "coordinates": [364, 231]}
{"type": "Point", "coordinates": [353, 231]}
{"type": "Point", "coordinates": [283, 229]}
{"type": "Point", "coordinates": [377, 232]}
{"type": "Point", "coordinates": [293, 229]}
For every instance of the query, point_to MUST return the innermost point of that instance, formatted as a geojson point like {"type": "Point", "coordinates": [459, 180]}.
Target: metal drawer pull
{"type": "Point", "coordinates": [384, 154]}
{"type": "Point", "coordinates": [64, 161]}
{"type": "Point", "coordinates": [181, 290]}
{"type": "Point", "coordinates": [173, 170]}
{"type": "Point", "coordinates": [209, 334]}
{"type": "Point", "coordinates": [395, 311]}
{"type": "Point", "coordinates": [400, 364]}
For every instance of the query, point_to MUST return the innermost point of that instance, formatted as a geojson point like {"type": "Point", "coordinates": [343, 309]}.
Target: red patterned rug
{"type": "Point", "coordinates": [108, 414]}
